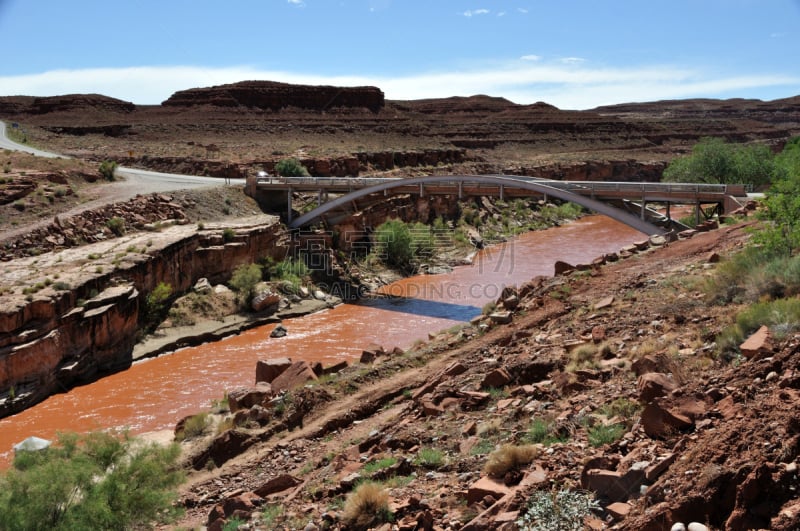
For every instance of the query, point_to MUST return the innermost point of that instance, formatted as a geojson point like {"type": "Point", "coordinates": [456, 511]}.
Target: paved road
{"type": "Point", "coordinates": [132, 181]}
{"type": "Point", "coordinates": [136, 181]}
{"type": "Point", "coordinates": [5, 143]}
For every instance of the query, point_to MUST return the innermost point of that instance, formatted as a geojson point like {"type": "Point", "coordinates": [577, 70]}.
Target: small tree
{"type": "Point", "coordinates": [244, 281]}
{"type": "Point", "coordinates": [715, 161]}
{"type": "Point", "coordinates": [291, 168]}
{"type": "Point", "coordinates": [156, 304]}
{"type": "Point", "coordinates": [394, 244]}
{"type": "Point", "coordinates": [96, 481]}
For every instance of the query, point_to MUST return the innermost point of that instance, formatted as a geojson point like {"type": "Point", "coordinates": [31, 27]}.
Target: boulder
{"type": "Point", "coordinates": [297, 374]}
{"type": "Point", "coordinates": [278, 331]}
{"type": "Point", "coordinates": [497, 378]}
{"type": "Point", "coordinates": [562, 268]}
{"type": "Point", "coordinates": [265, 299]}
{"type": "Point", "coordinates": [500, 317]}
{"type": "Point", "coordinates": [758, 343]}
{"type": "Point", "coordinates": [248, 397]}
{"type": "Point", "coordinates": [486, 487]}
{"type": "Point", "coordinates": [664, 416]}
{"type": "Point", "coordinates": [371, 353]}
{"type": "Point", "coordinates": [268, 370]}
{"type": "Point", "coordinates": [653, 385]}
{"type": "Point", "coordinates": [202, 286]}
{"type": "Point", "coordinates": [277, 484]}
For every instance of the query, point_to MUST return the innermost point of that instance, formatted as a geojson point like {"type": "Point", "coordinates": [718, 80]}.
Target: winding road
{"type": "Point", "coordinates": [133, 181]}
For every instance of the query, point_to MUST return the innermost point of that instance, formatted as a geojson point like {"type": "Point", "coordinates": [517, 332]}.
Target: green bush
{"type": "Point", "coordinates": [605, 434]}
{"type": "Point", "coordinates": [228, 234]}
{"type": "Point", "coordinates": [544, 432]}
{"type": "Point", "coordinates": [290, 270]}
{"type": "Point", "coordinates": [107, 169]}
{"type": "Point", "coordinates": [156, 304]}
{"type": "Point", "coordinates": [244, 281]}
{"type": "Point", "coordinates": [291, 168]}
{"type": "Point", "coordinates": [116, 225]}
{"type": "Point", "coordinates": [194, 426]}
{"type": "Point", "coordinates": [400, 244]}
{"type": "Point", "coordinates": [95, 481]}
{"type": "Point", "coordinates": [429, 458]}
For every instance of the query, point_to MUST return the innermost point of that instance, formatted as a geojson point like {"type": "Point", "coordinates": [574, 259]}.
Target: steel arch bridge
{"type": "Point", "coordinates": [607, 198]}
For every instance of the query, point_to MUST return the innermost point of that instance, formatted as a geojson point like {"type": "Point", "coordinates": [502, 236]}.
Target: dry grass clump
{"type": "Point", "coordinates": [367, 506]}
{"type": "Point", "coordinates": [510, 457]}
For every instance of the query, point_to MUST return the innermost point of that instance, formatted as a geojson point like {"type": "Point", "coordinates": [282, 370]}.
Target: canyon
{"type": "Point", "coordinates": [73, 294]}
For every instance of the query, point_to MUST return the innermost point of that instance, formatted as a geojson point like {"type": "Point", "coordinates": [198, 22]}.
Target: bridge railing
{"type": "Point", "coordinates": [582, 187]}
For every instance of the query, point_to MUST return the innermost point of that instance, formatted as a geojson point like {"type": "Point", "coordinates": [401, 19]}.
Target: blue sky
{"type": "Point", "coordinates": [575, 54]}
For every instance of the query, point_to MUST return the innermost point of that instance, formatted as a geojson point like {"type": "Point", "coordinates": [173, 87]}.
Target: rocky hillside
{"type": "Point", "coordinates": [603, 379]}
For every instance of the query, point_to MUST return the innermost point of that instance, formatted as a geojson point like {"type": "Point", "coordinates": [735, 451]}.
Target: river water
{"type": "Point", "coordinates": [154, 394]}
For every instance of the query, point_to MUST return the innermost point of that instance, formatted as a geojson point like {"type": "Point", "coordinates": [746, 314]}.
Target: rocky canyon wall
{"type": "Point", "coordinates": [58, 338]}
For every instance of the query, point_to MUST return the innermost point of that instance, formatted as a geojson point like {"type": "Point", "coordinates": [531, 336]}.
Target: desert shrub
{"type": "Point", "coordinates": [60, 285]}
{"type": "Point", "coordinates": [95, 481]}
{"type": "Point", "coordinates": [621, 407]}
{"type": "Point", "coordinates": [228, 234]}
{"type": "Point", "coordinates": [782, 316]}
{"type": "Point", "coordinates": [367, 506]}
{"type": "Point", "coordinates": [509, 457]}
{"type": "Point", "coordinates": [107, 169]}
{"type": "Point", "coordinates": [19, 204]}
{"type": "Point", "coordinates": [584, 357]}
{"type": "Point", "coordinates": [116, 225]}
{"type": "Point", "coordinates": [156, 304]}
{"type": "Point", "coordinates": [379, 464]}
{"type": "Point", "coordinates": [289, 270]}
{"type": "Point", "coordinates": [605, 434]}
{"type": "Point", "coordinates": [543, 431]}
{"type": "Point", "coordinates": [291, 168]}
{"type": "Point", "coordinates": [244, 281]}
{"type": "Point", "coordinates": [393, 243]}
{"type": "Point", "coordinates": [429, 458]}
{"type": "Point", "coordinates": [564, 510]}
{"type": "Point", "coordinates": [195, 426]}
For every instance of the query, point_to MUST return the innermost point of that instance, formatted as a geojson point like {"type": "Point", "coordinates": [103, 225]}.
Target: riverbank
{"type": "Point", "coordinates": [166, 340]}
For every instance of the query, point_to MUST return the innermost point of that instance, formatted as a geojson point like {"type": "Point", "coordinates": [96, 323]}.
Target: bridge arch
{"type": "Point", "coordinates": [505, 181]}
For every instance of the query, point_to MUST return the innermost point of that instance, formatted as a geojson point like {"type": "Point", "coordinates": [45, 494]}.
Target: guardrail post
{"type": "Point", "coordinates": [502, 189]}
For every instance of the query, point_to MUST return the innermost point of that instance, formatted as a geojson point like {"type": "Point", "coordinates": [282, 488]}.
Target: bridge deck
{"type": "Point", "coordinates": [602, 190]}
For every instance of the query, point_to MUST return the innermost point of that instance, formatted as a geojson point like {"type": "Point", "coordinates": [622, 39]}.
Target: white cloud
{"type": "Point", "coordinates": [531, 57]}
{"type": "Point", "coordinates": [522, 10]}
{"type": "Point", "coordinates": [476, 12]}
{"type": "Point", "coordinates": [572, 60]}
{"type": "Point", "coordinates": [298, 3]}
{"type": "Point", "coordinates": [501, 14]}
{"type": "Point", "coordinates": [574, 86]}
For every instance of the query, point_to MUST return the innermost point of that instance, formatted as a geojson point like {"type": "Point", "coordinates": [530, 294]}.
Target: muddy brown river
{"type": "Point", "coordinates": [154, 394]}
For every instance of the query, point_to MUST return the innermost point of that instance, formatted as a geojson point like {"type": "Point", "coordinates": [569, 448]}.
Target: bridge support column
{"type": "Point", "coordinates": [502, 190]}
{"type": "Point", "coordinates": [460, 190]}
{"type": "Point", "coordinates": [643, 212]}
{"type": "Point", "coordinates": [697, 213]}
{"type": "Point", "coordinates": [668, 215]}
{"type": "Point", "coordinates": [289, 205]}
{"type": "Point", "coordinates": [421, 190]}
